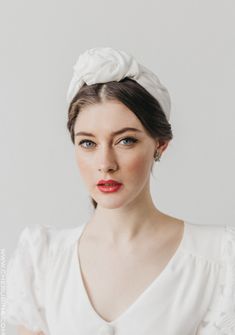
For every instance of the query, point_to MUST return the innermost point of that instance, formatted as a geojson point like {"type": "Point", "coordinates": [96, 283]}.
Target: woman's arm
{"type": "Point", "coordinates": [24, 331]}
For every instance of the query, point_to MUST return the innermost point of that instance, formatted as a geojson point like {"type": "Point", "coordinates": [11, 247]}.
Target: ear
{"type": "Point", "coordinates": [162, 145]}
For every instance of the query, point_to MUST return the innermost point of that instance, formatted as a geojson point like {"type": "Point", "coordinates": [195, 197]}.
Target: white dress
{"type": "Point", "coordinates": [193, 295]}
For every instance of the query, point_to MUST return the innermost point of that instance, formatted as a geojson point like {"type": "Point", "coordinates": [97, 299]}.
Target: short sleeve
{"type": "Point", "coordinates": [25, 279]}
{"type": "Point", "coordinates": [220, 317]}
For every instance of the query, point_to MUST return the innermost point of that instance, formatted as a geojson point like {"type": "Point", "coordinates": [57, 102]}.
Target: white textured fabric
{"type": "Point", "coordinates": [104, 64]}
{"type": "Point", "coordinates": [193, 295]}
{"type": "Point", "coordinates": [25, 279]}
{"type": "Point", "coordinates": [220, 317]}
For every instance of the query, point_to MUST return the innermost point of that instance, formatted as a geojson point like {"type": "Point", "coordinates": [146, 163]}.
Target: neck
{"type": "Point", "coordinates": [125, 224]}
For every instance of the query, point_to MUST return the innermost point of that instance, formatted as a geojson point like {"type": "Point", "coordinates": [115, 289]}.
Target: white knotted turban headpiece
{"type": "Point", "coordinates": [104, 64]}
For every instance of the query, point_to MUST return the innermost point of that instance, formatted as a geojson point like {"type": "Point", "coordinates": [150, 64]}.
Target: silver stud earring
{"type": "Point", "coordinates": [157, 156]}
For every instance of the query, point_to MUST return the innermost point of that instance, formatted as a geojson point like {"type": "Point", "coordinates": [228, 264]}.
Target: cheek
{"type": "Point", "coordinates": [139, 166]}
{"type": "Point", "coordinates": [84, 166]}
{"type": "Point", "coordinates": [135, 165]}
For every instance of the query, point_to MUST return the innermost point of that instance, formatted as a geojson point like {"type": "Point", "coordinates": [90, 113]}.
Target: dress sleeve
{"type": "Point", "coordinates": [220, 318]}
{"type": "Point", "coordinates": [25, 279]}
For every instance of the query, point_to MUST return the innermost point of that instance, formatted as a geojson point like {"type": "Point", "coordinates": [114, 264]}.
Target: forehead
{"type": "Point", "coordinates": [109, 115]}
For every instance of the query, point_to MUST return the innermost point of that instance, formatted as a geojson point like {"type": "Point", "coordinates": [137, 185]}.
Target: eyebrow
{"type": "Point", "coordinates": [120, 131]}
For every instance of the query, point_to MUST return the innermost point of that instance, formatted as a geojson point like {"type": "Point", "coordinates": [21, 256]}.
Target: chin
{"type": "Point", "coordinates": [109, 206]}
{"type": "Point", "coordinates": [109, 203]}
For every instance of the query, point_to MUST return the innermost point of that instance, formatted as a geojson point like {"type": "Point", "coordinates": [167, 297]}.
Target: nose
{"type": "Point", "coordinates": [106, 160]}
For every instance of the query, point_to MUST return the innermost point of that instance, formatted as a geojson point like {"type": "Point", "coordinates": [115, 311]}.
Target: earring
{"type": "Point", "coordinates": [157, 156]}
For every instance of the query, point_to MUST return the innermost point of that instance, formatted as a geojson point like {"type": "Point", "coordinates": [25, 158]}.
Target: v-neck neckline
{"type": "Point", "coordinates": [137, 301]}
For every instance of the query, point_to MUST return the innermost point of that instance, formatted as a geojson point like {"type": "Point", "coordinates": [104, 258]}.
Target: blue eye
{"type": "Point", "coordinates": [84, 141]}
{"type": "Point", "coordinates": [132, 139]}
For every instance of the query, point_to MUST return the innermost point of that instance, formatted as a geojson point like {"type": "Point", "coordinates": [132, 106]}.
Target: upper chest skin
{"type": "Point", "coordinates": [114, 277]}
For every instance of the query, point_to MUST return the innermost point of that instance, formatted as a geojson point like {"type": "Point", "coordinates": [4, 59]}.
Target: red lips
{"type": "Point", "coordinates": [110, 181]}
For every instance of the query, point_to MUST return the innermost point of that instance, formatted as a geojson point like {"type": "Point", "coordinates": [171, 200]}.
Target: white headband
{"type": "Point", "coordinates": [104, 64]}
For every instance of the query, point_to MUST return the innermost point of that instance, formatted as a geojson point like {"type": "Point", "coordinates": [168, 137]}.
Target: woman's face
{"type": "Point", "coordinates": [126, 157]}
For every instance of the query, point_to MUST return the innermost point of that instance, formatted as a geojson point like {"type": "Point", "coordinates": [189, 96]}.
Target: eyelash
{"type": "Point", "coordinates": [134, 140]}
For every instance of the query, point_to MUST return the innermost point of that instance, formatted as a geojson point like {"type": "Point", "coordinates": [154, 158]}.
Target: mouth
{"type": "Point", "coordinates": [109, 182]}
{"type": "Point", "coordinates": [108, 188]}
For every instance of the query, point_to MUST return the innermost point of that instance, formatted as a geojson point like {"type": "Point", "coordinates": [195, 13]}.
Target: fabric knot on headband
{"type": "Point", "coordinates": [104, 64]}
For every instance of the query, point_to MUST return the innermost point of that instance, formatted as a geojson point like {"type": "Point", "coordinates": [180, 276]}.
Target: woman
{"type": "Point", "coordinates": [131, 269]}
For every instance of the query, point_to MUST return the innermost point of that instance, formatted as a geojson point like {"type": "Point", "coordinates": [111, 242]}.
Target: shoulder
{"type": "Point", "coordinates": [220, 316]}
{"type": "Point", "coordinates": [35, 234]}
{"type": "Point", "coordinates": [228, 246]}
{"type": "Point", "coordinates": [27, 270]}
{"type": "Point", "coordinates": [25, 273]}
{"type": "Point", "coordinates": [39, 236]}
{"type": "Point", "coordinates": [29, 257]}
{"type": "Point", "coordinates": [35, 245]}
{"type": "Point", "coordinates": [34, 241]}
{"type": "Point", "coordinates": [206, 240]}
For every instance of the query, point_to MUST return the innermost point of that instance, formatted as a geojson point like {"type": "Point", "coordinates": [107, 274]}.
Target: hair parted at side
{"type": "Point", "coordinates": [146, 108]}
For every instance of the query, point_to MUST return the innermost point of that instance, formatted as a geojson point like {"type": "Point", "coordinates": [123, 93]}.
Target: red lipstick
{"type": "Point", "coordinates": [110, 181]}
{"type": "Point", "coordinates": [108, 186]}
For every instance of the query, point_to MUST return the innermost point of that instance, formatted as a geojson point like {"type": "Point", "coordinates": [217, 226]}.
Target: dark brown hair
{"type": "Point", "coordinates": [146, 108]}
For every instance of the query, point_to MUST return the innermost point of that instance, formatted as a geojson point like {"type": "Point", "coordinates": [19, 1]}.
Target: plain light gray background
{"type": "Point", "coordinates": [189, 44]}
